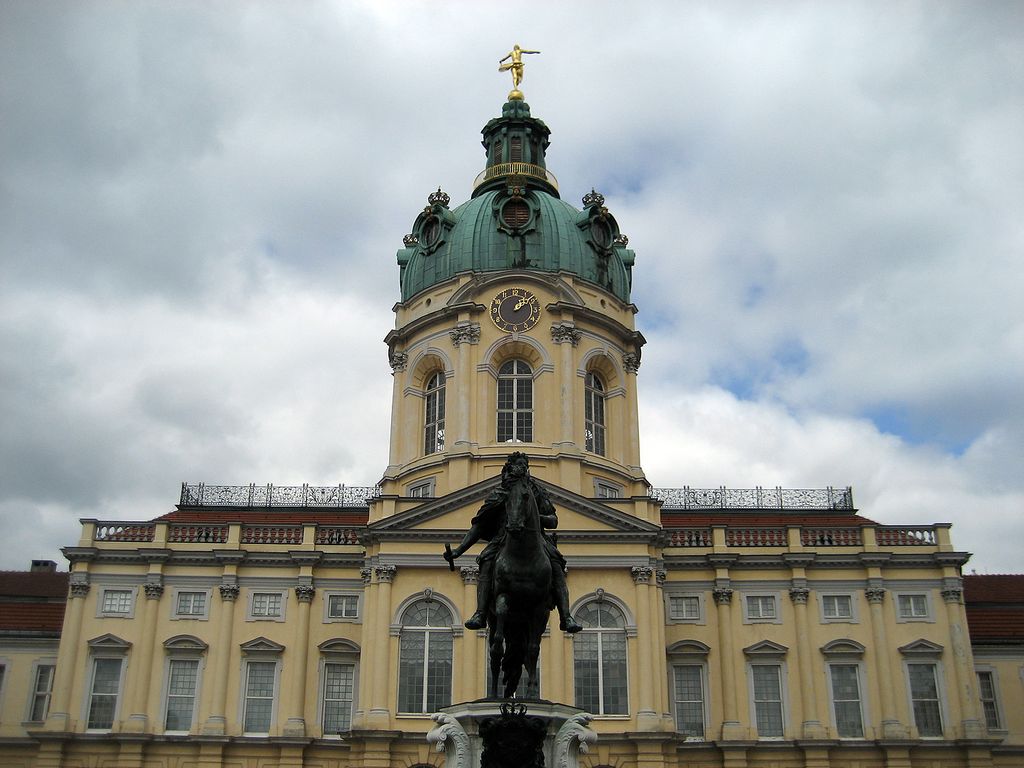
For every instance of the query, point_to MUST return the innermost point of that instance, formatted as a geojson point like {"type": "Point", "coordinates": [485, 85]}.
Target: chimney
{"type": "Point", "coordinates": [43, 566]}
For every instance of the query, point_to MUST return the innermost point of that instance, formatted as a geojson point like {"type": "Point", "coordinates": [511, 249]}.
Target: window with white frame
{"type": "Point", "coordinates": [104, 692]}
{"type": "Point", "coordinates": [599, 659]}
{"type": "Point", "coordinates": [605, 490]}
{"type": "Point", "coordinates": [260, 685]}
{"type": "Point", "coordinates": [515, 402]}
{"type": "Point", "coordinates": [688, 699]}
{"type": "Point", "coordinates": [338, 685]}
{"type": "Point", "coordinates": [758, 608]}
{"type": "Point", "coordinates": [924, 698]}
{"type": "Point", "coordinates": [342, 606]}
{"type": "Point", "coordinates": [684, 608]}
{"type": "Point", "coordinates": [266, 605]}
{"type": "Point", "coordinates": [989, 699]}
{"type": "Point", "coordinates": [421, 489]}
{"type": "Point", "coordinates": [191, 605]}
{"type": "Point", "coordinates": [42, 689]}
{"type": "Point", "coordinates": [433, 419]}
{"type": "Point", "coordinates": [847, 702]}
{"type": "Point", "coordinates": [593, 414]}
{"type": "Point", "coordinates": [766, 694]}
{"type": "Point", "coordinates": [912, 606]}
{"type": "Point", "coordinates": [837, 608]}
{"type": "Point", "coordinates": [116, 602]}
{"type": "Point", "coordinates": [182, 682]}
{"type": "Point", "coordinates": [425, 657]}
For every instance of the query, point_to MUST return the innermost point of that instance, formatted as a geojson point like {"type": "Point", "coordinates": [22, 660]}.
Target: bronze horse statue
{"type": "Point", "coordinates": [522, 575]}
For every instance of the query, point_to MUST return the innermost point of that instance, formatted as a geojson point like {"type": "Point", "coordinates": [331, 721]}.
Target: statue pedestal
{"type": "Point", "coordinates": [508, 730]}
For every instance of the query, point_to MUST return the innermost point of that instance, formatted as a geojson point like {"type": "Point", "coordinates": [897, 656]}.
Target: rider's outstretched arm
{"type": "Point", "coordinates": [472, 537]}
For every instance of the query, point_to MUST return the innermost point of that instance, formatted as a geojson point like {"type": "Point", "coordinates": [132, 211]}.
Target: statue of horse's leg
{"type": "Point", "coordinates": [494, 649]}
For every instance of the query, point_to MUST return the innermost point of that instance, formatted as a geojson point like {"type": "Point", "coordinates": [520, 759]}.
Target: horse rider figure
{"type": "Point", "coordinates": [489, 524]}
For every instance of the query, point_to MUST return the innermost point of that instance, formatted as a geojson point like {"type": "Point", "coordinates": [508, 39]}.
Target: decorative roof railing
{"type": "Point", "coordinates": [501, 170]}
{"type": "Point", "coordinates": [252, 495]}
{"type": "Point", "coordinates": [754, 498]}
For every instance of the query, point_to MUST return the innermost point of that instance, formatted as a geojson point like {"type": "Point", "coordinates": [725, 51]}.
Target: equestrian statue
{"type": "Point", "coordinates": [522, 574]}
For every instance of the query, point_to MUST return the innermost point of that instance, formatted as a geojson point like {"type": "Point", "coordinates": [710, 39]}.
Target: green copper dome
{"type": "Point", "coordinates": [515, 220]}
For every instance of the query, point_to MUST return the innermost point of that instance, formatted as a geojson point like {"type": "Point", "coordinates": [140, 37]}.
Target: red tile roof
{"type": "Point", "coordinates": [1001, 588]}
{"type": "Point", "coordinates": [33, 584]}
{"type": "Point", "coordinates": [995, 608]}
{"type": "Point", "coordinates": [31, 617]}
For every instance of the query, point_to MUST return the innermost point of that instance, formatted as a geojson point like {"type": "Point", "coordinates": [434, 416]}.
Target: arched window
{"type": "Point", "coordinates": [433, 418]}
{"type": "Point", "coordinates": [599, 659]}
{"type": "Point", "coordinates": [515, 402]}
{"type": "Point", "coordinates": [593, 414]}
{"type": "Point", "coordinates": [425, 658]}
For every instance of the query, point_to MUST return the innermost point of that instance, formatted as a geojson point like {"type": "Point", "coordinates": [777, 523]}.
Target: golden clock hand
{"type": "Point", "coordinates": [519, 305]}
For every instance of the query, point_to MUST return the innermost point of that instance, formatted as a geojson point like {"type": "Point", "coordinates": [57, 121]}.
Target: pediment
{"type": "Point", "coordinates": [921, 647]}
{"type": "Point", "coordinates": [261, 645]}
{"type": "Point", "coordinates": [843, 647]}
{"type": "Point", "coordinates": [185, 643]}
{"type": "Point", "coordinates": [109, 642]}
{"type": "Point", "coordinates": [766, 648]}
{"type": "Point", "coordinates": [575, 514]}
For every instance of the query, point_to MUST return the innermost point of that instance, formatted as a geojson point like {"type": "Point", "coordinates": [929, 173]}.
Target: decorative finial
{"type": "Point", "coordinates": [439, 197]}
{"type": "Point", "coordinates": [516, 67]}
{"type": "Point", "coordinates": [593, 197]}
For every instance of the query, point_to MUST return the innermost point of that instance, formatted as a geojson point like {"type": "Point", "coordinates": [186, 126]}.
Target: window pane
{"type": "Point", "coordinates": [117, 601]}
{"type": "Point", "coordinates": [846, 700]}
{"type": "Point", "coordinates": [767, 699]}
{"type": "Point", "coordinates": [410, 671]}
{"type": "Point", "coordinates": [439, 671]}
{"type": "Point", "coordinates": [585, 672]}
{"type": "Point", "coordinates": [41, 692]}
{"type": "Point", "coordinates": [925, 695]}
{"type": "Point", "coordinates": [181, 692]}
{"type": "Point", "coordinates": [987, 692]}
{"type": "Point", "coordinates": [689, 700]}
{"type": "Point", "coordinates": [339, 683]}
{"type": "Point", "coordinates": [103, 701]}
{"type": "Point", "coordinates": [613, 651]}
{"type": "Point", "coordinates": [259, 696]}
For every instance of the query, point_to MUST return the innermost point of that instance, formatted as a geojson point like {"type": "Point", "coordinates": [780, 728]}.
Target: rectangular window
{"type": "Point", "coordinates": [266, 604]}
{"type": "Point", "coordinates": [987, 691]}
{"type": "Point", "coordinates": [42, 687]}
{"type": "Point", "coordinates": [606, 491]}
{"type": "Point", "coordinates": [117, 601]}
{"type": "Point", "coordinates": [837, 606]}
{"type": "Point", "coordinates": [106, 683]}
{"type": "Point", "coordinates": [684, 607]}
{"type": "Point", "coordinates": [912, 606]}
{"type": "Point", "coordinates": [766, 680]}
{"type": "Point", "coordinates": [422, 490]}
{"type": "Point", "coordinates": [259, 696]}
{"type": "Point", "coordinates": [339, 685]}
{"type": "Point", "coordinates": [761, 607]}
{"type": "Point", "coordinates": [688, 687]}
{"type": "Point", "coordinates": [924, 696]}
{"type": "Point", "coordinates": [343, 606]}
{"type": "Point", "coordinates": [846, 701]}
{"type": "Point", "coordinates": [191, 604]}
{"type": "Point", "coordinates": [182, 675]}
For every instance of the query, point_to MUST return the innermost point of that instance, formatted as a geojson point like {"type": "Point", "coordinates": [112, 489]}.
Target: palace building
{"type": "Point", "coordinates": [320, 626]}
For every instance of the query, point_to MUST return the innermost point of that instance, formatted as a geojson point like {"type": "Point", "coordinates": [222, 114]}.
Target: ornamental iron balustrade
{"type": "Point", "coordinates": [197, 534]}
{"type": "Point", "coordinates": [500, 170]}
{"type": "Point", "coordinates": [271, 534]}
{"type": "Point", "coordinates": [905, 536]}
{"type": "Point", "coordinates": [124, 531]}
{"type": "Point", "coordinates": [252, 495]}
{"type": "Point", "coordinates": [754, 498]}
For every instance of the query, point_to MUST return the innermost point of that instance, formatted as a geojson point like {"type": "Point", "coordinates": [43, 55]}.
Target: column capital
{"type": "Point", "coordinates": [631, 362]}
{"type": "Point", "coordinates": [799, 595]}
{"type": "Point", "coordinates": [722, 596]}
{"type": "Point", "coordinates": [661, 576]}
{"type": "Point", "coordinates": [470, 574]}
{"type": "Point", "coordinates": [365, 574]}
{"type": "Point", "coordinates": [305, 593]}
{"type": "Point", "coordinates": [875, 594]}
{"type": "Point", "coordinates": [154, 591]}
{"type": "Point", "coordinates": [79, 589]}
{"type": "Point", "coordinates": [465, 333]}
{"type": "Point", "coordinates": [641, 574]}
{"type": "Point", "coordinates": [386, 573]}
{"type": "Point", "coordinates": [229, 592]}
{"type": "Point", "coordinates": [952, 594]}
{"type": "Point", "coordinates": [565, 333]}
{"type": "Point", "coordinates": [398, 361]}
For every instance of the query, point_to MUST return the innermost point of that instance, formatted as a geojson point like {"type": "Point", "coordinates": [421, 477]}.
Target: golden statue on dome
{"type": "Point", "coordinates": [516, 67]}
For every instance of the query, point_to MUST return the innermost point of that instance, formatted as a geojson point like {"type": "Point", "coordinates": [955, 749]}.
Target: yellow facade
{"type": "Point", "coordinates": [241, 630]}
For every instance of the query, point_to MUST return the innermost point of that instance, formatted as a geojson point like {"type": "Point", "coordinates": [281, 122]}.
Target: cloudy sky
{"type": "Point", "coordinates": [200, 206]}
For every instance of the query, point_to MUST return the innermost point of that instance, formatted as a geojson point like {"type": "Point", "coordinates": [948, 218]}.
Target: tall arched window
{"type": "Point", "coordinates": [433, 418]}
{"type": "Point", "coordinates": [515, 402]}
{"type": "Point", "coordinates": [425, 658]}
{"type": "Point", "coordinates": [599, 660]}
{"type": "Point", "coordinates": [593, 414]}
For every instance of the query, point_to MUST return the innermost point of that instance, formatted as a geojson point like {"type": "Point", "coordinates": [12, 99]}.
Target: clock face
{"type": "Point", "coordinates": [515, 310]}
